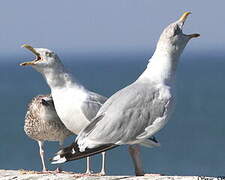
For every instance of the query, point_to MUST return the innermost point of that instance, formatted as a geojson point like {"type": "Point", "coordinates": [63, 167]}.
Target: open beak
{"type": "Point", "coordinates": [30, 48]}
{"type": "Point", "coordinates": [182, 21]}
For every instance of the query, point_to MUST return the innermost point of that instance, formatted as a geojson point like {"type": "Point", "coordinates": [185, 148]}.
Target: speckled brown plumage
{"type": "Point", "coordinates": [43, 124]}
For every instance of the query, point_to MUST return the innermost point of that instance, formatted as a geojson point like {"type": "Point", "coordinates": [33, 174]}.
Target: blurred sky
{"type": "Point", "coordinates": [95, 26]}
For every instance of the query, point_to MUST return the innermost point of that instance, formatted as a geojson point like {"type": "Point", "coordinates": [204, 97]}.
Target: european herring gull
{"type": "Point", "coordinates": [75, 105]}
{"type": "Point", "coordinates": [43, 124]}
{"type": "Point", "coordinates": [138, 111]}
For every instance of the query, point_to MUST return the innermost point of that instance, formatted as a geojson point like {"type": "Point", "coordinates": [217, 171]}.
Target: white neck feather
{"type": "Point", "coordinates": [59, 77]}
{"type": "Point", "coordinates": [161, 68]}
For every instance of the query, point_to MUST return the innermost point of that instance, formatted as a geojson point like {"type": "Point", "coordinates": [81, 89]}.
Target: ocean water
{"type": "Point", "coordinates": [192, 143]}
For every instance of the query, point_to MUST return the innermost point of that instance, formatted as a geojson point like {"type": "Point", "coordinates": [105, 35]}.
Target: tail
{"type": "Point", "coordinates": [72, 152]}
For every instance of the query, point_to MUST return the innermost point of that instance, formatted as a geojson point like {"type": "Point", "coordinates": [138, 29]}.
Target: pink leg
{"type": "Point", "coordinates": [134, 151]}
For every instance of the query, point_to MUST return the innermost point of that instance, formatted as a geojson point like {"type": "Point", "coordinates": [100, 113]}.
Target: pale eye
{"type": "Point", "coordinates": [48, 54]}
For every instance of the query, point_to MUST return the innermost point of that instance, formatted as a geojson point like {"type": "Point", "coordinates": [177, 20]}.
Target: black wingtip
{"type": "Point", "coordinates": [153, 138]}
{"type": "Point", "coordinates": [72, 152]}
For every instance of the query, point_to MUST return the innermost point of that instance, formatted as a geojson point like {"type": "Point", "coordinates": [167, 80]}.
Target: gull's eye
{"type": "Point", "coordinates": [48, 54]}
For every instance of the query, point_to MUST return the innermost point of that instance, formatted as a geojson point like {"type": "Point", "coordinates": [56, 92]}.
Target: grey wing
{"type": "Point", "coordinates": [127, 115]}
{"type": "Point", "coordinates": [92, 104]}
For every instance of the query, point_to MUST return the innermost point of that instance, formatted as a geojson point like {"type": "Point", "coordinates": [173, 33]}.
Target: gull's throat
{"type": "Point", "coordinates": [57, 77]}
{"type": "Point", "coordinates": [161, 68]}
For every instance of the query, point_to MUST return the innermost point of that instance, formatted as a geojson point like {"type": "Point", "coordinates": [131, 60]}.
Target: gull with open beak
{"type": "Point", "coordinates": [138, 111]}
{"type": "Point", "coordinates": [75, 105]}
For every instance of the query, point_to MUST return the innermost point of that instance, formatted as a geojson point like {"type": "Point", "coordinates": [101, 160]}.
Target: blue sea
{"type": "Point", "coordinates": [192, 143]}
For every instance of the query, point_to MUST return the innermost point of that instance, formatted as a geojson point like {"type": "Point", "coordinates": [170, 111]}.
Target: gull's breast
{"type": "Point", "coordinates": [68, 103]}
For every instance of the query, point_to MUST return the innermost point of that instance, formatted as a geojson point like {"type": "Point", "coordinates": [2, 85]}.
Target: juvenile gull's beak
{"type": "Point", "coordinates": [183, 19]}
{"type": "Point", "coordinates": [30, 48]}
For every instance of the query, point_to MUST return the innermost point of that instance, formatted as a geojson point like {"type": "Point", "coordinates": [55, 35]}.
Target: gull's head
{"type": "Point", "coordinates": [45, 58]}
{"type": "Point", "coordinates": [48, 108]}
{"type": "Point", "coordinates": [172, 39]}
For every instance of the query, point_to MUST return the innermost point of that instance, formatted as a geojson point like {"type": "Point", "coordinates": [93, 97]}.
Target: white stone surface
{"type": "Point", "coordinates": [33, 175]}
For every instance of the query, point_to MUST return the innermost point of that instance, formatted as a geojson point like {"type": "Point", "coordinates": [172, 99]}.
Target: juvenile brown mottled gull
{"type": "Point", "coordinates": [43, 124]}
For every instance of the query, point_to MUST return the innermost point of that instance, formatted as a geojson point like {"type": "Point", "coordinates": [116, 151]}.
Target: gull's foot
{"type": "Point", "coordinates": [58, 170]}
{"type": "Point", "coordinates": [102, 173]}
{"type": "Point", "coordinates": [153, 174]}
{"type": "Point", "coordinates": [139, 173]}
{"type": "Point", "coordinates": [88, 173]}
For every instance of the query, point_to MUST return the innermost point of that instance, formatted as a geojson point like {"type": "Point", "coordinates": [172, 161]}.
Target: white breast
{"type": "Point", "coordinates": [68, 102]}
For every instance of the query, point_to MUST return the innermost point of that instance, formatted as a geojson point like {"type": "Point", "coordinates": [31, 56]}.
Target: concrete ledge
{"type": "Point", "coordinates": [33, 175]}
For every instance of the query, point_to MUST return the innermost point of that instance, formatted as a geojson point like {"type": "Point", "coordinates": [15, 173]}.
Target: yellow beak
{"type": "Point", "coordinates": [183, 19]}
{"type": "Point", "coordinates": [184, 16]}
{"type": "Point", "coordinates": [27, 63]}
{"type": "Point", "coordinates": [30, 48]}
